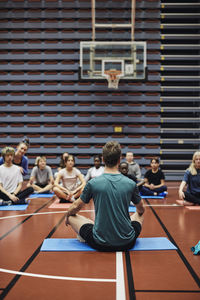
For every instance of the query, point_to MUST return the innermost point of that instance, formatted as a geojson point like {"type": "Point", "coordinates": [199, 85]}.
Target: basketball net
{"type": "Point", "coordinates": [113, 77]}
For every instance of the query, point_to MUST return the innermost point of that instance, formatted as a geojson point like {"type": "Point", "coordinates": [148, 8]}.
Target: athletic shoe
{"type": "Point", "coordinates": [5, 203]}
{"type": "Point", "coordinates": [164, 194]}
{"type": "Point", "coordinates": [196, 249]}
{"type": "Point", "coordinates": [62, 200]}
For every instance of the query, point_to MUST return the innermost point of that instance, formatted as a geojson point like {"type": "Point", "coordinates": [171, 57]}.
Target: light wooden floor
{"type": "Point", "coordinates": [27, 273]}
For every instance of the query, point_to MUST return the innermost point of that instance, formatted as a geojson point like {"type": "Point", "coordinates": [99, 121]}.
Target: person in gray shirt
{"type": "Point", "coordinates": [41, 176]}
{"type": "Point", "coordinates": [133, 167]}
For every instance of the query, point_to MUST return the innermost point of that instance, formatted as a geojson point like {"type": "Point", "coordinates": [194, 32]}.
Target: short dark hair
{"type": "Point", "coordinates": [123, 163]}
{"type": "Point", "coordinates": [98, 156]}
{"type": "Point", "coordinates": [156, 160]}
{"type": "Point", "coordinates": [68, 157]}
{"type": "Point", "coordinates": [26, 142]}
{"type": "Point", "coordinates": [111, 153]}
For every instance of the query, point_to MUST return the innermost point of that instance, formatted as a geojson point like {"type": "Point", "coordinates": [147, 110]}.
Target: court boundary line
{"type": "Point", "coordinates": [178, 250]}
{"type": "Point", "coordinates": [22, 222]}
{"type": "Point", "coordinates": [120, 284]}
{"type": "Point", "coordinates": [29, 261]}
{"type": "Point", "coordinates": [86, 210]}
{"type": "Point", "coordinates": [129, 272]}
{"type": "Point", "coordinates": [45, 276]}
{"type": "Point", "coordinates": [167, 291]}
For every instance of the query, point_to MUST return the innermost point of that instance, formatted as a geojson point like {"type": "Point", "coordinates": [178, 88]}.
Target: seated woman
{"type": "Point", "coordinates": [154, 180]}
{"type": "Point", "coordinates": [72, 182]}
{"type": "Point", "coordinates": [192, 179]}
{"type": "Point", "coordinates": [19, 157]}
{"type": "Point", "coordinates": [95, 171]}
{"type": "Point", "coordinates": [41, 176]}
{"type": "Point", "coordinates": [11, 180]}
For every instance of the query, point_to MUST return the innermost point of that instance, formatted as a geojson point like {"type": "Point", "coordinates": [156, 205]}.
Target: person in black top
{"type": "Point", "coordinates": [123, 168]}
{"type": "Point", "coordinates": [154, 180]}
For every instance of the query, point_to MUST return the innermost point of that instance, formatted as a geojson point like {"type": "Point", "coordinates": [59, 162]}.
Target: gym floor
{"type": "Point", "coordinates": [28, 273]}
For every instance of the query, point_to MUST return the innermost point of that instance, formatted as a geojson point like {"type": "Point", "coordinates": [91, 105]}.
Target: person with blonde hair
{"type": "Point", "coordinates": [20, 159]}
{"type": "Point", "coordinates": [41, 176]}
{"type": "Point", "coordinates": [11, 180]}
{"type": "Point", "coordinates": [191, 179]}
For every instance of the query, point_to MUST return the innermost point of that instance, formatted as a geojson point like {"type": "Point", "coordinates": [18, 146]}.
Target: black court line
{"type": "Point", "coordinates": [182, 256]}
{"type": "Point", "coordinates": [131, 288]}
{"type": "Point", "coordinates": [26, 219]}
{"type": "Point", "coordinates": [167, 291]}
{"type": "Point", "coordinates": [28, 262]}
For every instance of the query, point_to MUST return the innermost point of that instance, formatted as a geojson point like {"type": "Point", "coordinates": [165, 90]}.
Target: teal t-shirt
{"type": "Point", "coordinates": [112, 194]}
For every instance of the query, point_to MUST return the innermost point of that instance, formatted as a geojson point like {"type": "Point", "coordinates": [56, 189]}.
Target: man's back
{"type": "Point", "coordinates": [112, 194]}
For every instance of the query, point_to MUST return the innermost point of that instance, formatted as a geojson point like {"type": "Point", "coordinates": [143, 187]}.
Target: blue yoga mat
{"type": "Point", "coordinates": [155, 243]}
{"type": "Point", "coordinates": [14, 207]}
{"type": "Point", "coordinates": [132, 209]}
{"type": "Point", "coordinates": [41, 195]}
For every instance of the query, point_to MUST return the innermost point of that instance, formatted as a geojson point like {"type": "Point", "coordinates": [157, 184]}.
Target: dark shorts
{"type": "Point", "coordinates": [41, 185]}
{"type": "Point", "coordinates": [87, 234]}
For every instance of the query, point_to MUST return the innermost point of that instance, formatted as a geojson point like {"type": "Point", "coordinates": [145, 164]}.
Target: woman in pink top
{"type": "Point", "coordinates": [72, 182]}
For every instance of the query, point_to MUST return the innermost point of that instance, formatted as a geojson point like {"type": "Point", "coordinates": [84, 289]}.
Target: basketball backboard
{"type": "Point", "coordinates": [128, 59]}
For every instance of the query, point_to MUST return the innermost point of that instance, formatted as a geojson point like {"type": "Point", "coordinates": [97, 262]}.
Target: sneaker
{"type": "Point", "coordinates": [196, 249]}
{"type": "Point", "coordinates": [164, 194]}
{"type": "Point", "coordinates": [5, 203]}
{"type": "Point", "coordinates": [80, 239]}
{"type": "Point", "coordinates": [62, 200]}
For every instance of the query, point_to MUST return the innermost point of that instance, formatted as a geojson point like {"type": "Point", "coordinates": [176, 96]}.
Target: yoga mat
{"type": "Point", "coordinates": [57, 204]}
{"type": "Point", "coordinates": [132, 209]}
{"type": "Point", "coordinates": [41, 195]}
{"type": "Point", "coordinates": [193, 207]}
{"type": "Point", "coordinates": [155, 243]}
{"type": "Point", "coordinates": [14, 207]}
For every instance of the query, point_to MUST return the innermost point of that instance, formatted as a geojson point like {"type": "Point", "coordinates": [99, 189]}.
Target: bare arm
{"type": "Point", "coordinates": [31, 180]}
{"type": "Point", "coordinates": [56, 183]}
{"type": "Point", "coordinates": [74, 209]}
{"type": "Point", "coordinates": [11, 196]}
{"type": "Point", "coordinates": [181, 188]}
{"type": "Point", "coordinates": [146, 183]}
{"type": "Point", "coordinates": [18, 188]}
{"type": "Point", "coordinates": [81, 186]}
{"type": "Point", "coordinates": [51, 180]}
{"type": "Point", "coordinates": [159, 185]}
{"type": "Point", "coordinates": [140, 208]}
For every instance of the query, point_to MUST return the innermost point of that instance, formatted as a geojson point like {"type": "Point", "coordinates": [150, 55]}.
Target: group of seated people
{"type": "Point", "coordinates": [68, 182]}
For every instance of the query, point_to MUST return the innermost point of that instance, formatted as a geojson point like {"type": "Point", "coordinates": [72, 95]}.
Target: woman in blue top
{"type": "Point", "coordinates": [192, 179]}
{"type": "Point", "coordinates": [20, 159]}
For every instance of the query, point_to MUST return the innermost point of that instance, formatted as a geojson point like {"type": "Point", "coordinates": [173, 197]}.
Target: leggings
{"type": "Point", "coordinates": [21, 195]}
{"type": "Point", "coordinates": [145, 191]}
{"type": "Point", "coordinates": [192, 198]}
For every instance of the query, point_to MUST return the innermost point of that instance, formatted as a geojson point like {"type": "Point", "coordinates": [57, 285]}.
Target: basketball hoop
{"type": "Point", "coordinates": [113, 76]}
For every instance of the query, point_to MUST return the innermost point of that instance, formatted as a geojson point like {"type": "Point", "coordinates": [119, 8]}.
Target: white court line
{"type": "Point", "coordinates": [120, 286]}
{"type": "Point", "coordinates": [163, 205]}
{"type": "Point", "coordinates": [42, 213]}
{"type": "Point", "coordinates": [173, 187]}
{"type": "Point", "coordinates": [56, 277]}
{"type": "Point", "coordinates": [86, 210]}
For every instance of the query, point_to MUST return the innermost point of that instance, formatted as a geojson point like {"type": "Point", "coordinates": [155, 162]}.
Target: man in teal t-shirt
{"type": "Point", "coordinates": [112, 192]}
